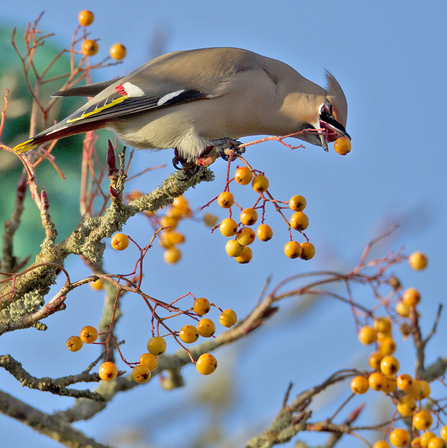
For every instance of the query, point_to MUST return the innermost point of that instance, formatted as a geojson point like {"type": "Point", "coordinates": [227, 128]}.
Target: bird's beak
{"type": "Point", "coordinates": [332, 131]}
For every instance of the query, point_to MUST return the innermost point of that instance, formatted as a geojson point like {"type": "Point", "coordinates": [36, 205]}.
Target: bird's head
{"type": "Point", "coordinates": [332, 113]}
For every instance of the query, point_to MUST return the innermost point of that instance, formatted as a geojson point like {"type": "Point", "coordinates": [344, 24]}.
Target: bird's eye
{"type": "Point", "coordinates": [326, 109]}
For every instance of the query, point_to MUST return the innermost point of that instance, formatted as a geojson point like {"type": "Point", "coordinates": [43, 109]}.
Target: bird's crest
{"type": "Point", "coordinates": [337, 98]}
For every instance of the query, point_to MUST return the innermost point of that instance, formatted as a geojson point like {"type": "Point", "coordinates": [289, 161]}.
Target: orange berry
{"type": "Point", "coordinates": [399, 437]}
{"type": "Point", "coordinates": [225, 199]}
{"type": "Point", "coordinates": [188, 334]}
{"type": "Point", "coordinates": [308, 251]}
{"type": "Point", "coordinates": [342, 146]}
{"type": "Point", "coordinates": [374, 360]}
{"type": "Point", "coordinates": [206, 328]}
{"type": "Point", "coordinates": [245, 257]}
{"type": "Point", "coordinates": [88, 334]}
{"type": "Point", "coordinates": [120, 241]}
{"type": "Point", "coordinates": [141, 373]}
{"type": "Point", "coordinates": [411, 297]}
{"type": "Point", "coordinates": [97, 285]}
{"type": "Point", "coordinates": [436, 442]}
{"type": "Point", "coordinates": [172, 255]}
{"type": "Point", "coordinates": [426, 437]}
{"type": "Point", "coordinates": [381, 444]}
{"type": "Point", "coordinates": [390, 385]}
{"type": "Point", "coordinates": [260, 183]}
{"type": "Point", "coordinates": [426, 389]}
{"type": "Point", "coordinates": [299, 221]}
{"type": "Point", "coordinates": [108, 371]}
{"type": "Point", "coordinates": [156, 345]}
{"type": "Point", "coordinates": [228, 227]}
{"type": "Point", "coordinates": [86, 18]}
{"type": "Point", "coordinates": [118, 52]}
{"type": "Point", "coordinates": [297, 203]}
{"type": "Point", "coordinates": [367, 335]}
{"type": "Point", "coordinates": [233, 248]}
{"type": "Point", "coordinates": [264, 232]}
{"type": "Point", "coordinates": [389, 366]}
{"type": "Point", "coordinates": [402, 309]}
{"type": "Point", "coordinates": [382, 325]}
{"type": "Point", "coordinates": [404, 381]}
{"type": "Point", "coordinates": [201, 306]}
{"type": "Point", "coordinates": [359, 385]}
{"type": "Point", "coordinates": [387, 346]}
{"type": "Point", "coordinates": [149, 360]}
{"type": "Point", "coordinates": [418, 261]}
{"type": "Point", "coordinates": [249, 216]}
{"type": "Point", "coordinates": [406, 406]}
{"type": "Point", "coordinates": [206, 364]}
{"type": "Point", "coordinates": [415, 390]}
{"type": "Point", "coordinates": [422, 420]}
{"type": "Point", "coordinates": [74, 343]}
{"type": "Point", "coordinates": [245, 236]}
{"type": "Point", "coordinates": [243, 175]}
{"type": "Point", "coordinates": [210, 220]}
{"type": "Point", "coordinates": [168, 223]}
{"type": "Point", "coordinates": [416, 443]}
{"type": "Point", "coordinates": [377, 381]}
{"type": "Point", "coordinates": [292, 249]}
{"type": "Point", "coordinates": [228, 318]}
{"type": "Point", "coordinates": [89, 47]}
{"type": "Point", "coordinates": [443, 432]}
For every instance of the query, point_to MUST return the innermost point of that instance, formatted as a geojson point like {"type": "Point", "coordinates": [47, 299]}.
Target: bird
{"type": "Point", "coordinates": [206, 98]}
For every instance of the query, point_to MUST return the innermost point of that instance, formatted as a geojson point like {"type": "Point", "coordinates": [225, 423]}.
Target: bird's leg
{"type": "Point", "coordinates": [185, 169]}
{"type": "Point", "coordinates": [219, 149]}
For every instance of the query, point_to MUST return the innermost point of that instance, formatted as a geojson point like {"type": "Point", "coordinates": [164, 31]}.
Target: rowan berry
{"type": "Point", "coordinates": [411, 297]}
{"type": "Point", "coordinates": [89, 47]}
{"type": "Point", "coordinates": [228, 227]}
{"type": "Point", "coordinates": [292, 249]}
{"type": "Point", "coordinates": [156, 345]}
{"type": "Point", "coordinates": [264, 232]}
{"type": "Point", "coordinates": [422, 420]}
{"type": "Point", "coordinates": [225, 199]}
{"type": "Point", "coordinates": [206, 364]}
{"type": "Point", "coordinates": [418, 261]}
{"type": "Point", "coordinates": [74, 343]}
{"type": "Point", "coordinates": [245, 256]}
{"type": "Point", "coordinates": [245, 236]}
{"type": "Point", "coordinates": [308, 251]}
{"type": "Point", "coordinates": [120, 241]}
{"type": "Point", "coordinates": [299, 221]}
{"type": "Point", "coordinates": [149, 360]}
{"type": "Point", "coordinates": [260, 183]}
{"type": "Point", "coordinates": [141, 373]}
{"type": "Point", "coordinates": [188, 334]}
{"type": "Point", "coordinates": [399, 437]}
{"type": "Point", "coordinates": [206, 328]}
{"type": "Point", "coordinates": [118, 52]}
{"type": "Point", "coordinates": [88, 334]}
{"type": "Point", "coordinates": [201, 306]}
{"type": "Point", "coordinates": [367, 335]}
{"type": "Point", "coordinates": [359, 385]}
{"type": "Point", "coordinates": [86, 18]}
{"type": "Point", "coordinates": [342, 146]}
{"type": "Point", "coordinates": [108, 371]}
{"type": "Point", "coordinates": [243, 175]}
{"type": "Point", "coordinates": [228, 318]}
{"type": "Point", "coordinates": [249, 216]}
{"type": "Point", "coordinates": [297, 203]}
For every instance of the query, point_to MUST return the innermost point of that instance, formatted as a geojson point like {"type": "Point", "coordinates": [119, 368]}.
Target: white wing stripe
{"type": "Point", "coordinates": [168, 97]}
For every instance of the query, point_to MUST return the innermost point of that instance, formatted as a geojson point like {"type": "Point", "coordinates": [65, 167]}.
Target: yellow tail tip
{"type": "Point", "coordinates": [25, 146]}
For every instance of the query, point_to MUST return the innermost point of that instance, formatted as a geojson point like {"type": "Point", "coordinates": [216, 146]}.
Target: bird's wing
{"type": "Point", "coordinates": [172, 79]}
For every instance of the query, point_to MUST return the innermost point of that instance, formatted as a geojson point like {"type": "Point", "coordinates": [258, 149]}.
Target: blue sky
{"type": "Point", "coordinates": [390, 59]}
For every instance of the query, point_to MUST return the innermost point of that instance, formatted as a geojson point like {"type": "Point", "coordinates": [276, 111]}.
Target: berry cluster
{"type": "Point", "coordinates": [405, 391]}
{"type": "Point", "coordinates": [90, 47]}
{"type": "Point", "coordinates": [244, 235]}
{"type": "Point", "coordinates": [156, 346]}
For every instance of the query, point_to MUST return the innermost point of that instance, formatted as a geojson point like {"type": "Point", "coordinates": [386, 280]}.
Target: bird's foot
{"type": "Point", "coordinates": [225, 148]}
{"type": "Point", "coordinates": [185, 168]}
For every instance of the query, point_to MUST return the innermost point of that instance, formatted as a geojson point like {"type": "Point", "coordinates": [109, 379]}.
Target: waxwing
{"type": "Point", "coordinates": [189, 99]}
